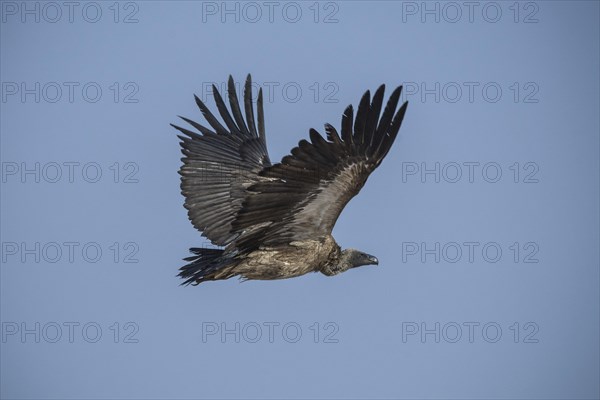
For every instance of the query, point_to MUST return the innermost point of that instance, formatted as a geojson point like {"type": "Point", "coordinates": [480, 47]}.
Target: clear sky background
{"type": "Point", "coordinates": [484, 215]}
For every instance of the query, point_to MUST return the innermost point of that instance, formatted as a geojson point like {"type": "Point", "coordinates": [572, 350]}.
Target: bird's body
{"type": "Point", "coordinates": [274, 221]}
{"type": "Point", "coordinates": [288, 260]}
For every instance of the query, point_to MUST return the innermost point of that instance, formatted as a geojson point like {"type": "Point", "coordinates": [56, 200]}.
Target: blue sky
{"type": "Point", "coordinates": [484, 215]}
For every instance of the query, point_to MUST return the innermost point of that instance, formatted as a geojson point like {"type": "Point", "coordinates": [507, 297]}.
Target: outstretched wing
{"type": "Point", "coordinates": [219, 164]}
{"type": "Point", "coordinates": [302, 196]}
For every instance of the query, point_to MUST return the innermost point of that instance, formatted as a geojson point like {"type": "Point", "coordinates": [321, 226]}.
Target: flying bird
{"type": "Point", "coordinates": [274, 221]}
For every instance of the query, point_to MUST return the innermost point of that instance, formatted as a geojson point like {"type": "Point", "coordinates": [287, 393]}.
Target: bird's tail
{"type": "Point", "coordinates": [205, 265]}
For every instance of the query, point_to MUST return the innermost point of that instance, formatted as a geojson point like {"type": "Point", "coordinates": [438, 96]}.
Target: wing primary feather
{"type": "Point", "coordinates": [248, 105]}
{"type": "Point", "coordinates": [223, 111]}
{"type": "Point", "coordinates": [361, 118]}
{"type": "Point", "coordinates": [220, 129]}
{"type": "Point", "coordinates": [326, 151]}
{"type": "Point", "coordinates": [319, 142]}
{"type": "Point", "coordinates": [390, 136]}
{"type": "Point", "coordinates": [386, 119]}
{"type": "Point", "coordinates": [347, 118]}
{"type": "Point", "coordinates": [332, 134]}
{"type": "Point", "coordinates": [261, 116]}
{"type": "Point", "coordinates": [235, 106]}
{"type": "Point", "coordinates": [196, 125]}
{"type": "Point", "coordinates": [186, 132]}
{"type": "Point", "coordinates": [375, 110]}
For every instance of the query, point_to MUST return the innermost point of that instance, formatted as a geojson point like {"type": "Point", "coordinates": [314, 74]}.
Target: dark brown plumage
{"type": "Point", "coordinates": [274, 221]}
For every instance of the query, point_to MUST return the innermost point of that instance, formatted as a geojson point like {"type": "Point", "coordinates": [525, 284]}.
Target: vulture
{"type": "Point", "coordinates": [274, 220]}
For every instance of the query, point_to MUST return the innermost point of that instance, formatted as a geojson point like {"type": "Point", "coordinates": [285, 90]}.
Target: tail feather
{"type": "Point", "coordinates": [205, 265]}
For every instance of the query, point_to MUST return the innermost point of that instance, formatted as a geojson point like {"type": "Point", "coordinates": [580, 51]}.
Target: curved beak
{"type": "Point", "coordinates": [373, 260]}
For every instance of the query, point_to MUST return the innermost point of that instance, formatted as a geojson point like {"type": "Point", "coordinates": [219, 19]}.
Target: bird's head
{"type": "Point", "coordinates": [349, 258]}
{"type": "Point", "coordinates": [352, 258]}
